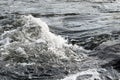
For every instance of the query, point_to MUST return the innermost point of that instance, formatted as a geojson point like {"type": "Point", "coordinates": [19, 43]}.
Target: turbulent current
{"type": "Point", "coordinates": [32, 44]}
{"type": "Point", "coordinates": [59, 40]}
{"type": "Point", "coordinates": [29, 51]}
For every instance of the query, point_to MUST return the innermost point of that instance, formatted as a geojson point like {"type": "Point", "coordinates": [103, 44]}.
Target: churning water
{"type": "Point", "coordinates": [80, 43]}
{"type": "Point", "coordinates": [30, 43]}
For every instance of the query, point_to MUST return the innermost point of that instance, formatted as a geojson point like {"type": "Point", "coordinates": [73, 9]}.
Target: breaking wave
{"type": "Point", "coordinates": [34, 31]}
{"type": "Point", "coordinates": [29, 51]}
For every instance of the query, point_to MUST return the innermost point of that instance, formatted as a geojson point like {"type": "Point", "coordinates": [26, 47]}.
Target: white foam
{"type": "Point", "coordinates": [55, 43]}
{"type": "Point", "coordinates": [24, 64]}
{"type": "Point", "coordinates": [21, 50]}
{"type": "Point", "coordinates": [34, 31]}
{"type": "Point", "coordinates": [5, 42]}
{"type": "Point", "coordinates": [93, 72]}
{"type": "Point", "coordinates": [5, 39]}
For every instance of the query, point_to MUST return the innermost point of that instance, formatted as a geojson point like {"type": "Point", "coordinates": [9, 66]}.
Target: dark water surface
{"type": "Point", "coordinates": [29, 51]}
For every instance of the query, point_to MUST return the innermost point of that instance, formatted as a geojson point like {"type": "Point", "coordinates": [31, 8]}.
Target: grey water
{"type": "Point", "coordinates": [81, 41]}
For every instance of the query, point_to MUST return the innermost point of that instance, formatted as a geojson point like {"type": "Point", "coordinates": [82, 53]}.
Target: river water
{"type": "Point", "coordinates": [59, 39]}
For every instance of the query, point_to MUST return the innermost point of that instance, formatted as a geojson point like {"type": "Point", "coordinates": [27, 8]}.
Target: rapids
{"type": "Point", "coordinates": [59, 40]}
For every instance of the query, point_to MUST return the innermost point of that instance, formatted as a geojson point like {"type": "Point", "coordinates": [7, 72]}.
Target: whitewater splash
{"type": "Point", "coordinates": [29, 51]}
{"type": "Point", "coordinates": [90, 74]}
{"type": "Point", "coordinates": [56, 44]}
{"type": "Point", "coordinates": [28, 42]}
{"type": "Point", "coordinates": [94, 74]}
{"type": "Point", "coordinates": [32, 31]}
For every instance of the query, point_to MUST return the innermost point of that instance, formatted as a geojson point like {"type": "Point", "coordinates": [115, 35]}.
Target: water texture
{"type": "Point", "coordinates": [59, 40]}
